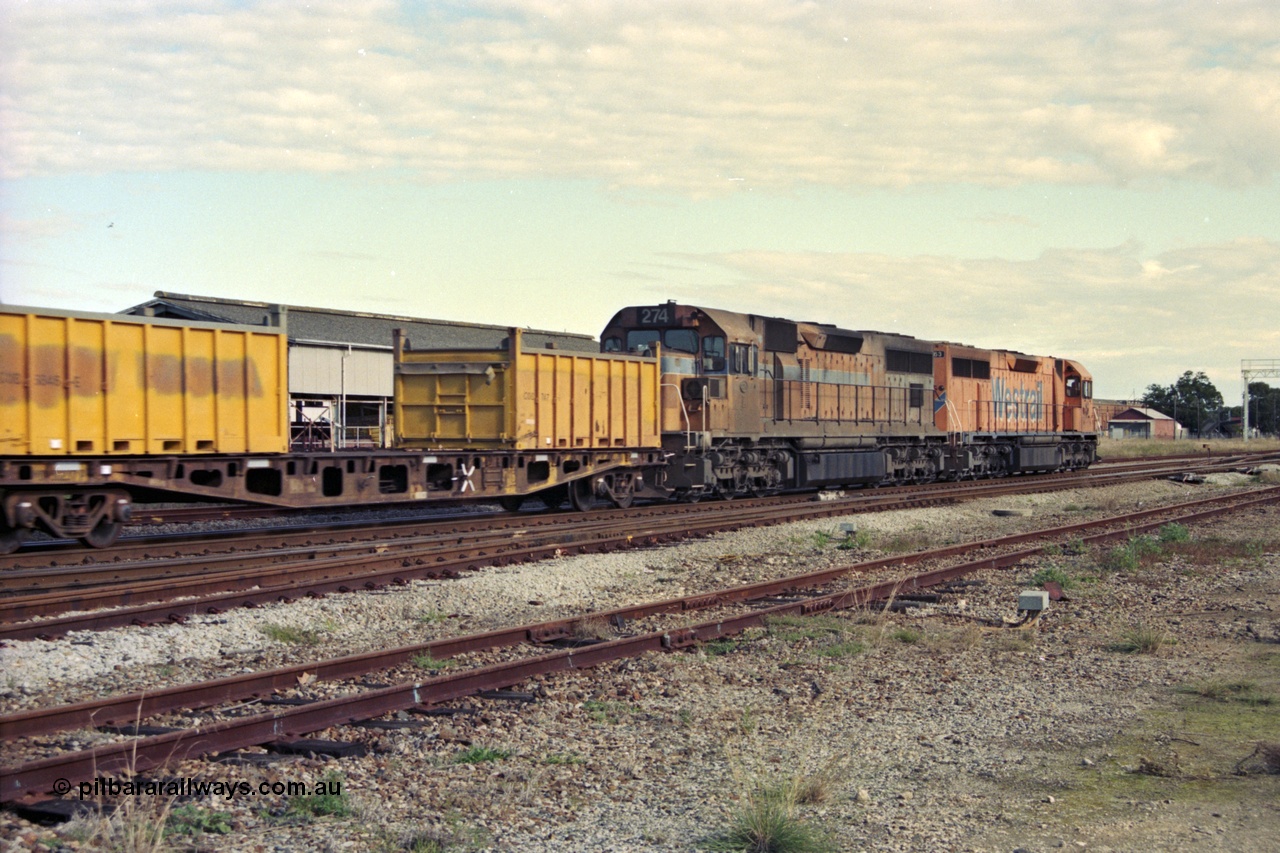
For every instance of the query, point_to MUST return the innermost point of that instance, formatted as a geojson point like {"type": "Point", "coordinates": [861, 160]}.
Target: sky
{"type": "Point", "coordinates": [1092, 180]}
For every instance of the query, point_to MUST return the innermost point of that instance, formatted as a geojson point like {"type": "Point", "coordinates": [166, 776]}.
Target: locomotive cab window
{"type": "Point", "coordinates": [679, 340]}
{"type": "Point", "coordinates": [1088, 389]}
{"type": "Point", "coordinates": [742, 359]}
{"type": "Point", "coordinates": [642, 340]}
{"type": "Point", "coordinates": [713, 354]}
{"type": "Point", "coordinates": [1072, 386]}
{"type": "Point", "coordinates": [613, 344]}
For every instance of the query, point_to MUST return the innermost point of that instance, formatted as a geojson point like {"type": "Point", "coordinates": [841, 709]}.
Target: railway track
{"type": "Point", "coordinates": [300, 528]}
{"type": "Point", "coordinates": [552, 643]}
{"type": "Point", "coordinates": [151, 515]}
{"type": "Point", "coordinates": [143, 591]}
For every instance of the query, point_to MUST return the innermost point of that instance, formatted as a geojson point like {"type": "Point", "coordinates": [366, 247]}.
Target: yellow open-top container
{"type": "Point", "coordinates": [525, 400]}
{"type": "Point", "coordinates": [112, 384]}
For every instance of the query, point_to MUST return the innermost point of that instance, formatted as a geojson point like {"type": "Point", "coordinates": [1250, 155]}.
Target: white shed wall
{"type": "Point", "coordinates": [323, 371]}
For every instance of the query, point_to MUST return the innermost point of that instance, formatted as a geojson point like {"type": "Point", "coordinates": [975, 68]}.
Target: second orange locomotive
{"type": "Point", "coordinates": [754, 404]}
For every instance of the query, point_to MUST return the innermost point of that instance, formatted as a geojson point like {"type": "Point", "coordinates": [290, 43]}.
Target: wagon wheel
{"type": "Point", "coordinates": [581, 496]}
{"type": "Point", "coordinates": [11, 538]}
{"type": "Point", "coordinates": [511, 503]}
{"type": "Point", "coordinates": [103, 535]}
{"type": "Point", "coordinates": [622, 490]}
{"type": "Point", "coordinates": [554, 497]}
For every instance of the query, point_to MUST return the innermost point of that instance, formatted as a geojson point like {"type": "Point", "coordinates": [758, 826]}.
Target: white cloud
{"type": "Point", "coordinates": [676, 96]}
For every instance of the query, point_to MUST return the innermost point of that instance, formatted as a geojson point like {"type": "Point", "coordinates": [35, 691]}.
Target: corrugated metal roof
{"type": "Point", "coordinates": [353, 327]}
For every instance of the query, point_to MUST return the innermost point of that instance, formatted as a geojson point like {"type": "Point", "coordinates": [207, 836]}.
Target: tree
{"type": "Point", "coordinates": [1264, 408]}
{"type": "Point", "coordinates": [1192, 401]}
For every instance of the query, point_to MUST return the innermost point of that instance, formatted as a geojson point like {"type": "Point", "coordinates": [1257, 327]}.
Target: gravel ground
{"type": "Point", "coordinates": [928, 729]}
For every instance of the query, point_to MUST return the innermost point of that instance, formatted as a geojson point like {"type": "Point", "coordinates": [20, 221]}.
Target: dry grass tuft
{"type": "Point", "coordinates": [136, 825]}
{"type": "Point", "coordinates": [592, 629]}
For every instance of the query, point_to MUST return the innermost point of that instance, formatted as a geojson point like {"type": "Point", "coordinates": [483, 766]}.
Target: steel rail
{"type": "Point", "coordinates": [149, 752]}
{"type": "Point", "coordinates": [149, 602]}
{"type": "Point", "coordinates": [39, 777]}
{"type": "Point", "coordinates": [82, 576]}
{"type": "Point", "coordinates": [38, 555]}
{"type": "Point", "coordinates": [125, 708]}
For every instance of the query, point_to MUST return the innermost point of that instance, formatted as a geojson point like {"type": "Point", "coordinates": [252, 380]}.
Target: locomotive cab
{"type": "Point", "coordinates": [1077, 392]}
{"type": "Point", "coordinates": [713, 394]}
{"type": "Point", "coordinates": [710, 367]}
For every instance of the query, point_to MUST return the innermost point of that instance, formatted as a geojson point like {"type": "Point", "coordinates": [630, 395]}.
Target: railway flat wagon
{"type": "Point", "coordinates": [566, 425]}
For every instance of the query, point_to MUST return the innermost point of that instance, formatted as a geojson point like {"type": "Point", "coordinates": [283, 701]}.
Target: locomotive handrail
{"type": "Point", "coordinates": [688, 428]}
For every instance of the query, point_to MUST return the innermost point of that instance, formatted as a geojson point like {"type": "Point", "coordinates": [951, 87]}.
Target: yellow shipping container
{"type": "Point", "coordinates": [114, 384]}
{"type": "Point", "coordinates": [513, 399]}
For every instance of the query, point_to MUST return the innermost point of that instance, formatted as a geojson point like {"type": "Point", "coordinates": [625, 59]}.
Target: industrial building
{"type": "Point", "coordinates": [1143, 422]}
{"type": "Point", "coordinates": [340, 362]}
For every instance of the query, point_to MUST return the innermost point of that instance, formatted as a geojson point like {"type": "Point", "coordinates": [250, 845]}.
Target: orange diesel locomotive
{"type": "Point", "coordinates": [752, 405]}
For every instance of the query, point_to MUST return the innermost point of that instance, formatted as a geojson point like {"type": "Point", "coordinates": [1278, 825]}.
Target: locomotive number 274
{"type": "Point", "coordinates": [659, 316]}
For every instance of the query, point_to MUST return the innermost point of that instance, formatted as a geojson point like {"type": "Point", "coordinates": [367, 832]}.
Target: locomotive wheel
{"type": "Point", "coordinates": [581, 497]}
{"type": "Point", "coordinates": [511, 503]}
{"type": "Point", "coordinates": [11, 538]}
{"type": "Point", "coordinates": [102, 536]}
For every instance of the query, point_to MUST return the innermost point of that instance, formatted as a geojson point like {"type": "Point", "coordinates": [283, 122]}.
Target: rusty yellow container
{"type": "Point", "coordinates": [513, 399]}
{"type": "Point", "coordinates": [112, 384]}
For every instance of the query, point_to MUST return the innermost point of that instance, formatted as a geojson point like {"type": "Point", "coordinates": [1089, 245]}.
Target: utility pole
{"type": "Point", "coordinates": [1251, 369]}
